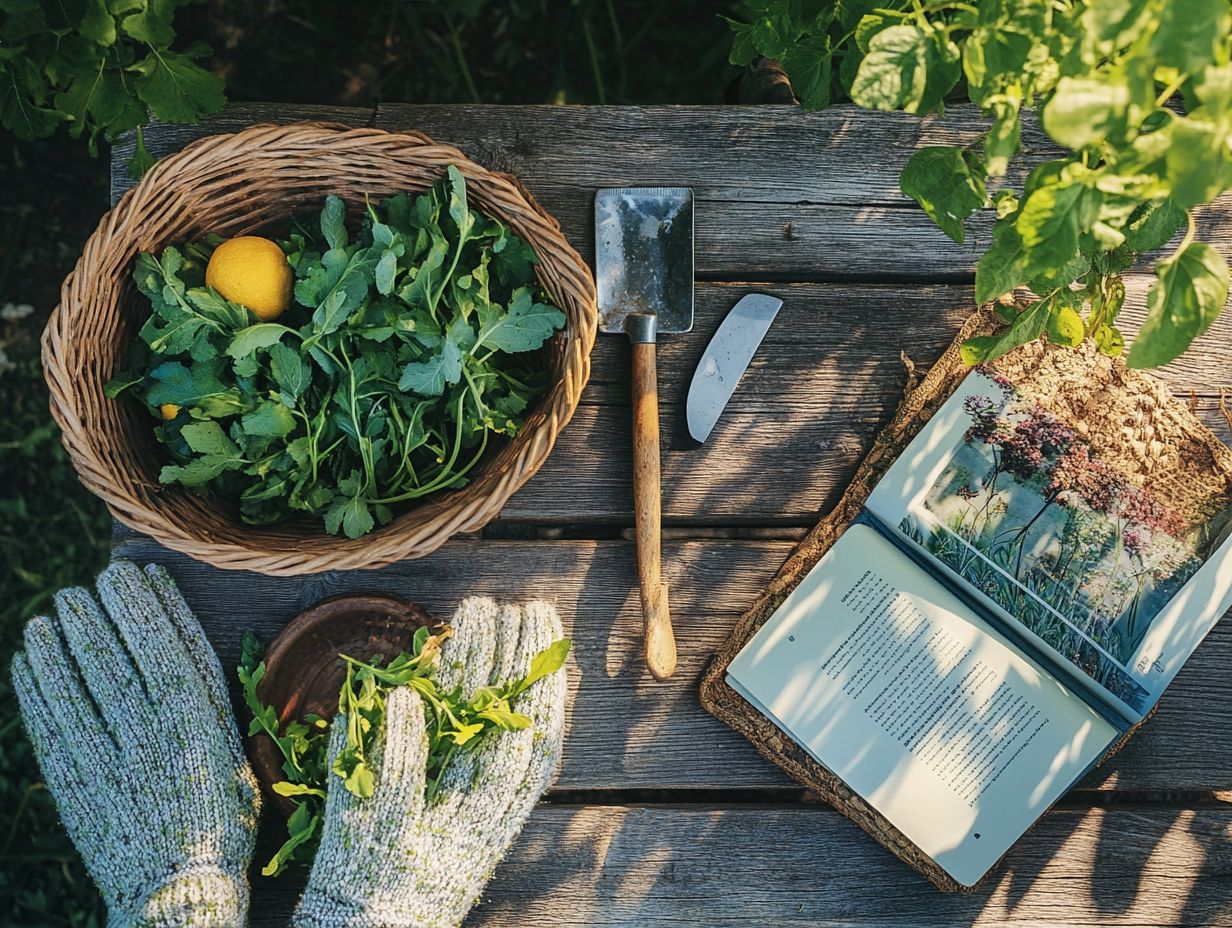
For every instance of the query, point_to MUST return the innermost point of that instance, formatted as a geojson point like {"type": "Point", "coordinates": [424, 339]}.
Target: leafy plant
{"type": "Point", "coordinates": [1138, 91]}
{"type": "Point", "coordinates": [407, 351]}
{"type": "Point", "coordinates": [456, 725]}
{"type": "Point", "coordinates": [42, 880]}
{"type": "Point", "coordinates": [99, 67]}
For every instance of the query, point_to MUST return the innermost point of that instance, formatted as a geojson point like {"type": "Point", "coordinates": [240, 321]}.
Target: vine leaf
{"type": "Point", "coordinates": [1181, 304]}
{"type": "Point", "coordinates": [948, 183]}
{"type": "Point", "coordinates": [176, 88]}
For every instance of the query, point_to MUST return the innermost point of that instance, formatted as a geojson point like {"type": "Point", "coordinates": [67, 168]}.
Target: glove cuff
{"type": "Point", "coordinates": [317, 911]}
{"type": "Point", "coordinates": [201, 895]}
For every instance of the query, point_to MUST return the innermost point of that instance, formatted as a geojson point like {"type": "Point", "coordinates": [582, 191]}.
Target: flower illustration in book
{"type": "Point", "coordinates": [1057, 534]}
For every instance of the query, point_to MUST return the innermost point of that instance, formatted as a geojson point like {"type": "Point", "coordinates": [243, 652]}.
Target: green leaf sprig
{"type": "Point", "coordinates": [100, 68]}
{"type": "Point", "coordinates": [303, 745]}
{"type": "Point", "coordinates": [407, 351]}
{"type": "Point", "coordinates": [456, 725]}
{"type": "Point", "coordinates": [1140, 93]}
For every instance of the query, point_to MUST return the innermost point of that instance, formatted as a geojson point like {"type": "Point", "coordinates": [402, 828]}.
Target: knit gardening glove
{"type": "Point", "coordinates": [397, 861]}
{"type": "Point", "coordinates": [128, 713]}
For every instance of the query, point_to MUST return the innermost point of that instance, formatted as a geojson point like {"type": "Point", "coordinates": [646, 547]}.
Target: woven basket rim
{"type": "Point", "coordinates": [93, 306]}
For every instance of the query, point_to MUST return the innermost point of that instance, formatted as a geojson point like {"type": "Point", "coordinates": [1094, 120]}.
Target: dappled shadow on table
{"type": "Point", "coordinates": [805, 865]}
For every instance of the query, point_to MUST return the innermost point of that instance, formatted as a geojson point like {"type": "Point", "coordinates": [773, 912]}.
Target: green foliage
{"type": "Point", "coordinates": [631, 54]}
{"type": "Point", "coordinates": [456, 725]}
{"type": "Point", "coordinates": [53, 534]}
{"type": "Point", "coordinates": [909, 67]}
{"type": "Point", "coordinates": [1139, 92]}
{"type": "Point", "coordinates": [98, 67]}
{"type": "Point", "coordinates": [948, 183]}
{"type": "Point", "coordinates": [409, 348]}
{"type": "Point", "coordinates": [1182, 304]}
{"type": "Point", "coordinates": [818, 42]}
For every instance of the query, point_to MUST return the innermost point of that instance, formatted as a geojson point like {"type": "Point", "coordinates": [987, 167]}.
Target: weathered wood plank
{"type": "Point", "coordinates": [627, 731]}
{"type": "Point", "coordinates": [864, 325]}
{"type": "Point", "coordinates": [623, 867]}
{"type": "Point", "coordinates": [735, 153]}
{"type": "Point", "coordinates": [828, 373]}
{"type": "Point", "coordinates": [782, 194]}
{"type": "Point", "coordinates": [822, 384]}
{"type": "Point", "coordinates": [747, 154]}
{"type": "Point", "coordinates": [824, 381]}
{"type": "Point", "coordinates": [767, 179]}
{"type": "Point", "coordinates": [162, 139]}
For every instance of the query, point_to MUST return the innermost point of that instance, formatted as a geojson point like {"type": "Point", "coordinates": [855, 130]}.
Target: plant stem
{"type": "Point", "coordinates": [21, 809]}
{"type": "Point", "coordinates": [619, 42]}
{"type": "Point", "coordinates": [365, 444]}
{"type": "Point", "coordinates": [600, 90]}
{"type": "Point", "coordinates": [1190, 232]}
{"type": "Point", "coordinates": [460, 56]}
{"type": "Point", "coordinates": [1167, 92]}
{"type": "Point", "coordinates": [480, 406]}
{"type": "Point", "coordinates": [444, 475]}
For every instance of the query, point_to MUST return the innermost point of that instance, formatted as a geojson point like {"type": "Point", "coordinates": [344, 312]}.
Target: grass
{"type": "Point", "coordinates": [54, 534]}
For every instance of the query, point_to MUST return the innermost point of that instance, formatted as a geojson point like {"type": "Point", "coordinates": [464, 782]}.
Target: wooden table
{"type": "Point", "coordinates": [662, 815]}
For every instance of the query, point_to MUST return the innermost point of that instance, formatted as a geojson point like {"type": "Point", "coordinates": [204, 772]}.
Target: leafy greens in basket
{"type": "Point", "coordinates": [407, 348]}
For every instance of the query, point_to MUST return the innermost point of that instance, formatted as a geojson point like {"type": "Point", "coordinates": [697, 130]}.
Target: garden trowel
{"type": "Point", "coordinates": [644, 267]}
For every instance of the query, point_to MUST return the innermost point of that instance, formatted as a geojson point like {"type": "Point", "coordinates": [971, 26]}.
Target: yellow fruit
{"type": "Point", "coordinates": [253, 272]}
{"type": "Point", "coordinates": [168, 411]}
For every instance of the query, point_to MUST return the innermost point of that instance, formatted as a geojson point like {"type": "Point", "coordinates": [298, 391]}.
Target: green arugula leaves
{"type": "Point", "coordinates": [456, 726]}
{"type": "Point", "coordinates": [1139, 92]}
{"type": "Point", "coordinates": [411, 347]}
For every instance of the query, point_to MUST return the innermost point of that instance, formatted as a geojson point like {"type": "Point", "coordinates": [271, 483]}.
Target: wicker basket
{"type": "Point", "coordinates": [232, 184]}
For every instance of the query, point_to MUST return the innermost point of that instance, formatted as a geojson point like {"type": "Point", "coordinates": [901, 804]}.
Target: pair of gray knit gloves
{"type": "Point", "coordinates": [126, 705]}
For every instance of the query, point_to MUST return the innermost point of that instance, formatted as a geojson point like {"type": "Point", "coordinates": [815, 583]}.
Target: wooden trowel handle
{"type": "Point", "coordinates": [660, 643]}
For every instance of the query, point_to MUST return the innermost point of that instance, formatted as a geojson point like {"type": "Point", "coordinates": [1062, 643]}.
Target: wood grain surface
{"type": "Point", "coordinates": [627, 730]}
{"type": "Point", "coordinates": [807, 867]}
{"type": "Point", "coordinates": [807, 207]}
{"type": "Point", "coordinates": [781, 194]}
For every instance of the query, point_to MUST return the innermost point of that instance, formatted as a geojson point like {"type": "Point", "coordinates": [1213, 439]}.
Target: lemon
{"type": "Point", "coordinates": [253, 272]}
{"type": "Point", "coordinates": [168, 411]}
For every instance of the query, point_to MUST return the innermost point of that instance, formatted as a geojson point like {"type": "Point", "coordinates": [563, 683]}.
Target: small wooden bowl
{"type": "Point", "coordinates": [303, 672]}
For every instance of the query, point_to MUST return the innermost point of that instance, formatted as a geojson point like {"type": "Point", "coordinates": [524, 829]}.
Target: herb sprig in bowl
{"type": "Point", "coordinates": [456, 725]}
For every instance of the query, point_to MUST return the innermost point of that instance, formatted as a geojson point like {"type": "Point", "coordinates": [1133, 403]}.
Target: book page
{"type": "Point", "coordinates": [1105, 549]}
{"type": "Point", "coordinates": [891, 682]}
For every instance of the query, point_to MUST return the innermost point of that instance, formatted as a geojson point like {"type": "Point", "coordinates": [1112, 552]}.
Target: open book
{"type": "Point", "coordinates": [1019, 589]}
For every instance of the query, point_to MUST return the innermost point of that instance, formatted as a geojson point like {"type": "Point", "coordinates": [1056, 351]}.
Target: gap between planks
{"type": "Point", "coordinates": [788, 797]}
{"type": "Point", "coordinates": [625, 730]}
